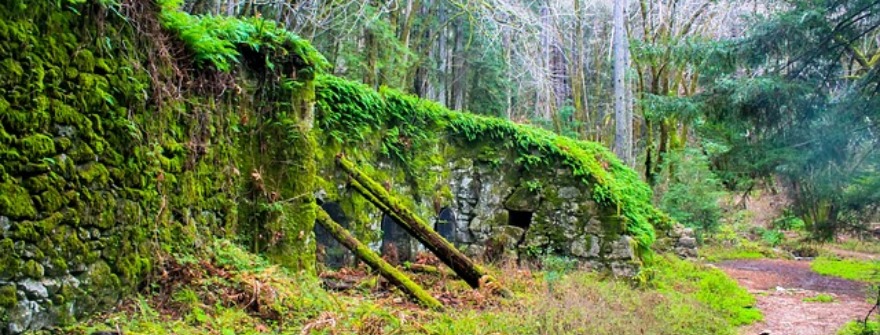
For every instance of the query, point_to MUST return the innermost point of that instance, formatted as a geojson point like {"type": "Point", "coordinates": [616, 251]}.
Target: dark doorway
{"type": "Point", "coordinates": [330, 252]}
{"type": "Point", "coordinates": [522, 219]}
{"type": "Point", "coordinates": [445, 225]}
{"type": "Point", "coordinates": [396, 242]}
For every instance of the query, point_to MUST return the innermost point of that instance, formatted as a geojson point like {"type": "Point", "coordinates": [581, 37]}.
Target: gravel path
{"type": "Point", "coordinates": [780, 287]}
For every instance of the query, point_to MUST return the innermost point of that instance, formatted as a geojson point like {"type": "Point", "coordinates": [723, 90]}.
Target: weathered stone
{"type": "Point", "coordinates": [569, 193]}
{"type": "Point", "coordinates": [622, 248]}
{"type": "Point", "coordinates": [624, 269]}
{"type": "Point", "coordinates": [52, 285]}
{"type": "Point", "coordinates": [21, 317]}
{"type": "Point", "coordinates": [586, 247]}
{"type": "Point", "coordinates": [523, 200]}
{"type": "Point", "coordinates": [594, 226]}
{"type": "Point", "coordinates": [33, 289]}
{"type": "Point", "coordinates": [687, 242]}
{"type": "Point", "coordinates": [686, 252]}
{"type": "Point", "coordinates": [509, 235]}
{"type": "Point", "coordinates": [4, 226]}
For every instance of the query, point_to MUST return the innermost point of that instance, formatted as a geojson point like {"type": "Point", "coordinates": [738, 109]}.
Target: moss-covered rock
{"type": "Point", "coordinates": [16, 202]}
{"type": "Point", "coordinates": [8, 296]}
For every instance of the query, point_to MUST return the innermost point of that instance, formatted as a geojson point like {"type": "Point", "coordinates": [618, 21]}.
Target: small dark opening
{"type": "Point", "coordinates": [520, 219]}
{"type": "Point", "coordinates": [445, 225]}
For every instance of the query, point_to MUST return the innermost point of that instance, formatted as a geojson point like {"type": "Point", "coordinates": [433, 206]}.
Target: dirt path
{"type": "Point", "coordinates": [780, 287]}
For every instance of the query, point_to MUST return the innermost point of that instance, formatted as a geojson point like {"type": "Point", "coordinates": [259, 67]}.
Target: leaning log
{"type": "Point", "coordinates": [390, 273]}
{"type": "Point", "coordinates": [463, 266]}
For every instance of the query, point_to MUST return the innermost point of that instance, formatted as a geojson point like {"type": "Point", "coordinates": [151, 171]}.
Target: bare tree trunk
{"type": "Point", "coordinates": [459, 67]}
{"type": "Point", "coordinates": [622, 113]}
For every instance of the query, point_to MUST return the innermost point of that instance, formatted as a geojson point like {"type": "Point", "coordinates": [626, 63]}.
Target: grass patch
{"type": "Point", "coordinates": [852, 269]}
{"type": "Point", "coordinates": [859, 328]}
{"type": "Point", "coordinates": [709, 285]}
{"type": "Point", "coordinates": [744, 250]}
{"type": "Point", "coordinates": [821, 298]}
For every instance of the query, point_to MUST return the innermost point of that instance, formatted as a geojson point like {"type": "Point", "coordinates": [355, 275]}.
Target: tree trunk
{"type": "Point", "coordinates": [466, 269]}
{"type": "Point", "coordinates": [363, 252]}
{"type": "Point", "coordinates": [622, 116]}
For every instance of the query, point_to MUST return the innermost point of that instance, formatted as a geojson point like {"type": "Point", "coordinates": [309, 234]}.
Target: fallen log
{"type": "Point", "coordinates": [429, 269]}
{"type": "Point", "coordinates": [463, 266]}
{"type": "Point", "coordinates": [390, 273]}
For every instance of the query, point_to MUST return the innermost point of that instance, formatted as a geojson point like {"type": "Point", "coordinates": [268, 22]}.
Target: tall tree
{"type": "Point", "coordinates": [806, 109]}
{"type": "Point", "coordinates": [623, 144]}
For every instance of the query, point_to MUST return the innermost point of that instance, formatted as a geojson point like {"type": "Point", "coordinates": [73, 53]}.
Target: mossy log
{"type": "Point", "coordinates": [463, 266]}
{"type": "Point", "coordinates": [372, 259]}
{"type": "Point", "coordinates": [429, 269]}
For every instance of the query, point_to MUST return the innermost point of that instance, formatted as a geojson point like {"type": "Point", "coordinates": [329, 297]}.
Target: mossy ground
{"type": "Point", "coordinates": [852, 269]}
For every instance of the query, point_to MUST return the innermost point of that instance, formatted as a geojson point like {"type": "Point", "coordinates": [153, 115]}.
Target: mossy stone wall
{"type": "Point", "coordinates": [102, 175]}
{"type": "Point", "coordinates": [581, 200]}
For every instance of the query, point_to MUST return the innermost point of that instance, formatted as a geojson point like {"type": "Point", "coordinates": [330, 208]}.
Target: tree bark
{"type": "Point", "coordinates": [622, 115]}
{"type": "Point", "coordinates": [391, 273]}
{"type": "Point", "coordinates": [466, 269]}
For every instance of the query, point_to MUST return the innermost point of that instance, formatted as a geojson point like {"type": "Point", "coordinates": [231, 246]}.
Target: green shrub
{"type": "Point", "coordinates": [772, 237]}
{"type": "Point", "coordinates": [789, 221]}
{"type": "Point", "coordinates": [693, 191]}
{"type": "Point", "coordinates": [859, 328]}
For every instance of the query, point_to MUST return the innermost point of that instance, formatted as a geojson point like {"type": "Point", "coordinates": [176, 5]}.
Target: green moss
{"type": "Point", "coordinates": [94, 173]}
{"type": "Point", "coordinates": [10, 263]}
{"type": "Point", "coordinates": [84, 60]}
{"type": "Point", "coordinates": [15, 202]}
{"type": "Point", "coordinates": [523, 199]}
{"type": "Point", "coordinates": [8, 296]}
{"type": "Point", "coordinates": [711, 286]}
{"type": "Point", "coordinates": [37, 146]}
{"type": "Point", "coordinates": [33, 269]}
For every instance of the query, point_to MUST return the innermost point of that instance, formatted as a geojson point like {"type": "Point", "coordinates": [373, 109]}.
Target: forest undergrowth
{"type": "Point", "coordinates": [235, 292]}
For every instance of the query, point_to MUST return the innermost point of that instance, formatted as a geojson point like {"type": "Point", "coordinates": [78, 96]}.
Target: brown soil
{"type": "Point", "coordinates": [780, 287]}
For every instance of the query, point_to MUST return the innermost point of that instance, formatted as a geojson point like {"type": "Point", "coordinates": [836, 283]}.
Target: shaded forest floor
{"type": "Point", "coordinates": [796, 300]}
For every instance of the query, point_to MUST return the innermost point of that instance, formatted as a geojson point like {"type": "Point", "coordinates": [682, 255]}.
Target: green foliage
{"type": "Point", "coordinates": [772, 237]}
{"type": "Point", "coordinates": [788, 221]}
{"type": "Point", "coordinates": [852, 269]}
{"type": "Point", "coordinates": [820, 298]}
{"type": "Point", "coordinates": [348, 112]}
{"type": "Point", "coordinates": [807, 117]}
{"type": "Point", "coordinates": [860, 328]}
{"type": "Point", "coordinates": [219, 40]}
{"type": "Point", "coordinates": [693, 192]}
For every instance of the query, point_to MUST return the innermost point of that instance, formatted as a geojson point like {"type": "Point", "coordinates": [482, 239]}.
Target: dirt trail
{"type": "Point", "coordinates": [780, 287]}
